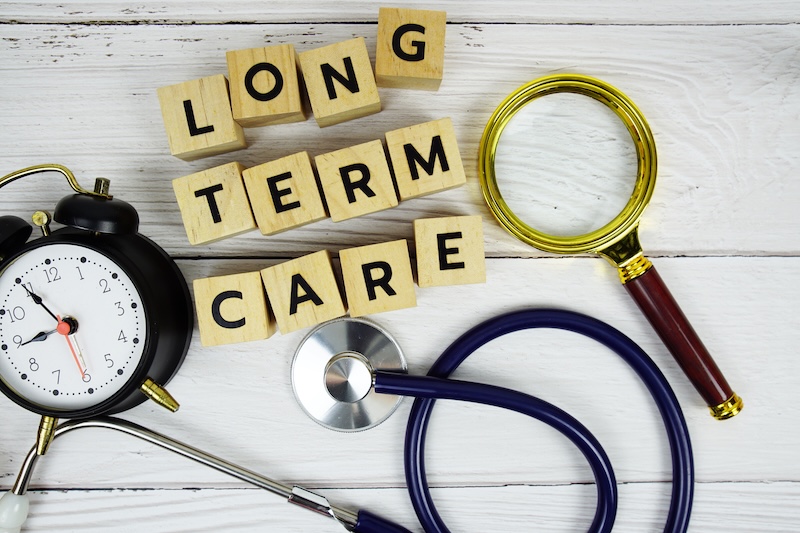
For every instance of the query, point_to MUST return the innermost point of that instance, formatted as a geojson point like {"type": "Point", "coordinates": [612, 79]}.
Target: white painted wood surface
{"type": "Point", "coordinates": [720, 85]}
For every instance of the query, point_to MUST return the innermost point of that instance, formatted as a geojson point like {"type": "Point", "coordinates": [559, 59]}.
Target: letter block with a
{"type": "Point", "coordinates": [425, 158]}
{"type": "Point", "coordinates": [410, 51]}
{"type": "Point", "coordinates": [265, 86]}
{"type": "Point", "coordinates": [285, 193]}
{"type": "Point", "coordinates": [214, 204]}
{"type": "Point", "coordinates": [232, 309]}
{"type": "Point", "coordinates": [450, 251]}
{"type": "Point", "coordinates": [378, 278]}
{"type": "Point", "coordinates": [356, 180]}
{"type": "Point", "coordinates": [340, 82]}
{"type": "Point", "coordinates": [198, 119]}
{"type": "Point", "coordinates": [303, 292]}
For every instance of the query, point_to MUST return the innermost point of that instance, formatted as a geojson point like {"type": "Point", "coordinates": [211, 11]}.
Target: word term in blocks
{"type": "Point", "coordinates": [232, 309]}
{"type": "Point", "coordinates": [289, 192]}
{"type": "Point", "coordinates": [265, 86]}
{"type": "Point", "coordinates": [303, 292]}
{"type": "Point", "coordinates": [378, 278]}
{"type": "Point", "coordinates": [410, 50]}
{"type": "Point", "coordinates": [340, 82]}
{"type": "Point", "coordinates": [198, 118]}
{"type": "Point", "coordinates": [450, 251]}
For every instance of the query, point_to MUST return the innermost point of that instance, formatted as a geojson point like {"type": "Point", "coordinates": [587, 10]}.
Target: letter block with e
{"type": "Point", "coordinates": [265, 86]}
{"type": "Point", "coordinates": [232, 309]}
{"type": "Point", "coordinates": [378, 278]}
{"type": "Point", "coordinates": [410, 50]}
{"type": "Point", "coordinates": [450, 251]}
{"type": "Point", "coordinates": [198, 119]}
{"type": "Point", "coordinates": [303, 292]}
{"type": "Point", "coordinates": [285, 193]}
{"type": "Point", "coordinates": [214, 204]}
{"type": "Point", "coordinates": [425, 158]}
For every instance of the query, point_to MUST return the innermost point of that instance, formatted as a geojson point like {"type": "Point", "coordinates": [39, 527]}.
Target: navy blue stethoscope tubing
{"type": "Point", "coordinates": [674, 422]}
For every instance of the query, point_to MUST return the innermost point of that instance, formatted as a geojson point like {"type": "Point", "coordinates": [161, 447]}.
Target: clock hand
{"type": "Point", "coordinates": [42, 335]}
{"type": "Point", "coordinates": [67, 328]}
{"type": "Point", "coordinates": [38, 301]}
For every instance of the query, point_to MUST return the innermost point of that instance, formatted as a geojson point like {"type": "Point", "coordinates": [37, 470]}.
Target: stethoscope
{"type": "Point", "coordinates": [354, 379]}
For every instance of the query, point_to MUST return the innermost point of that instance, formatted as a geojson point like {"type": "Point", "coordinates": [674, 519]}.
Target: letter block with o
{"type": "Point", "coordinates": [214, 204]}
{"type": "Point", "coordinates": [198, 119]}
{"type": "Point", "coordinates": [425, 158]}
{"type": "Point", "coordinates": [378, 278]}
{"type": "Point", "coordinates": [232, 309]}
{"type": "Point", "coordinates": [410, 51]}
{"type": "Point", "coordinates": [265, 86]}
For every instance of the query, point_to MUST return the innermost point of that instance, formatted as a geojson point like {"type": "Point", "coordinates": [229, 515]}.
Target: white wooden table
{"type": "Point", "coordinates": [719, 83]}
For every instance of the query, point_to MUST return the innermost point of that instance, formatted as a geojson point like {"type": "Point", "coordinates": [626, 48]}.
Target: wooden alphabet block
{"type": "Point", "coordinates": [214, 204]}
{"type": "Point", "coordinates": [285, 193]}
{"type": "Point", "coordinates": [232, 309]}
{"type": "Point", "coordinates": [425, 158]}
{"type": "Point", "coordinates": [265, 87]}
{"type": "Point", "coordinates": [356, 180]}
{"type": "Point", "coordinates": [410, 50]}
{"type": "Point", "coordinates": [378, 278]}
{"type": "Point", "coordinates": [340, 82]}
{"type": "Point", "coordinates": [450, 251]}
{"type": "Point", "coordinates": [198, 119]}
{"type": "Point", "coordinates": [303, 291]}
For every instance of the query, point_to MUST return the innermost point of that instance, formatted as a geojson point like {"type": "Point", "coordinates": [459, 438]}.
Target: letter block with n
{"type": "Point", "coordinates": [198, 118]}
{"type": "Point", "coordinates": [410, 50]}
{"type": "Point", "coordinates": [340, 82]}
{"type": "Point", "coordinates": [425, 158]}
{"type": "Point", "coordinates": [214, 204]}
{"type": "Point", "coordinates": [378, 278]}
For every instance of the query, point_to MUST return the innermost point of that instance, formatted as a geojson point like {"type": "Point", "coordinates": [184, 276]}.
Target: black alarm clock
{"type": "Point", "coordinates": [94, 317]}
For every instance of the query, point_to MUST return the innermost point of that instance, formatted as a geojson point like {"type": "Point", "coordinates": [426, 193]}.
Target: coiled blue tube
{"type": "Point", "coordinates": [452, 357]}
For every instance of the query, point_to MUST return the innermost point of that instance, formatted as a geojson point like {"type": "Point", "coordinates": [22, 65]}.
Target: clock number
{"type": "Point", "coordinates": [122, 336]}
{"type": "Point", "coordinates": [79, 272]}
{"type": "Point", "coordinates": [52, 274]}
{"type": "Point", "coordinates": [17, 340]}
{"type": "Point", "coordinates": [30, 289]}
{"type": "Point", "coordinates": [108, 359]}
{"type": "Point", "coordinates": [34, 366]}
{"type": "Point", "coordinates": [104, 284]}
{"type": "Point", "coordinates": [86, 377]}
{"type": "Point", "coordinates": [18, 313]}
{"type": "Point", "coordinates": [120, 309]}
{"type": "Point", "coordinates": [58, 376]}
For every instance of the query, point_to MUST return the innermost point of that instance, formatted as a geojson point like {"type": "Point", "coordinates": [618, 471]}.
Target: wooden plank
{"type": "Point", "coordinates": [719, 508]}
{"type": "Point", "coordinates": [514, 11]}
{"type": "Point", "coordinates": [722, 102]}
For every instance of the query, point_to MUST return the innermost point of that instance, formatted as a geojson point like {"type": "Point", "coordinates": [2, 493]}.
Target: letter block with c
{"type": "Point", "coordinates": [214, 204]}
{"type": "Point", "coordinates": [410, 50]}
{"type": "Point", "coordinates": [378, 278]}
{"type": "Point", "coordinates": [265, 86]}
{"type": "Point", "coordinates": [232, 309]}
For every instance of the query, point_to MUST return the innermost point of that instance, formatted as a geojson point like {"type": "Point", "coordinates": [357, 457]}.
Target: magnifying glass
{"type": "Point", "coordinates": [618, 239]}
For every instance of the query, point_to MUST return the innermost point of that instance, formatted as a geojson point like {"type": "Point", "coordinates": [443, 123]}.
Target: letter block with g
{"type": "Point", "coordinates": [410, 51]}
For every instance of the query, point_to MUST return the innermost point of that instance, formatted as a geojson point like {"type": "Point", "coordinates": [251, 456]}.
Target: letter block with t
{"type": "Point", "coordinates": [265, 86]}
{"type": "Point", "coordinates": [232, 309]}
{"type": "Point", "coordinates": [198, 119]}
{"type": "Point", "coordinates": [356, 180]}
{"type": "Point", "coordinates": [214, 204]}
{"type": "Point", "coordinates": [378, 278]}
{"type": "Point", "coordinates": [450, 251]}
{"type": "Point", "coordinates": [340, 82]}
{"type": "Point", "coordinates": [410, 51]}
{"type": "Point", "coordinates": [285, 193]}
{"type": "Point", "coordinates": [303, 291]}
{"type": "Point", "coordinates": [425, 158]}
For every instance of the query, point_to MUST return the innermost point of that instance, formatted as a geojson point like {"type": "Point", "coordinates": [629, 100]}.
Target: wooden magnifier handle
{"type": "Point", "coordinates": [666, 317]}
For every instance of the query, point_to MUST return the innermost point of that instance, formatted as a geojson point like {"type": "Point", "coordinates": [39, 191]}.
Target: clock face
{"type": "Point", "coordinates": [72, 327]}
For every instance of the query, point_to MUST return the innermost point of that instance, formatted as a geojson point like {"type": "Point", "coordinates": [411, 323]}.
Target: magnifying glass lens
{"type": "Point", "coordinates": [565, 165]}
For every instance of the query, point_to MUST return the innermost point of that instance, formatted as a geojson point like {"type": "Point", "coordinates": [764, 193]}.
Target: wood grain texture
{"type": "Point", "coordinates": [719, 83]}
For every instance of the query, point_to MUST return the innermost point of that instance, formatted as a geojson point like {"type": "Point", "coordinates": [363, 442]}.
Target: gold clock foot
{"type": "Point", "coordinates": [47, 428]}
{"type": "Point", "coordinates": [159, 394]}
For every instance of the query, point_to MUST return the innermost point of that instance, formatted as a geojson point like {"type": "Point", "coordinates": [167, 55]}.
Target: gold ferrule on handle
{"type": "Point", "coordinates": [633, 268]}
{"type": "Point", "coordinates": [47, 428]}
{"type": "Point", "coordinates": [728, 409]}
{"type": "Point", "coordinates": [159, 394]}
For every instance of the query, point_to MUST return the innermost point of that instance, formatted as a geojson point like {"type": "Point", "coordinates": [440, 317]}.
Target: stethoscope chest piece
{"type": "Point", "coordinates": [333, 373]}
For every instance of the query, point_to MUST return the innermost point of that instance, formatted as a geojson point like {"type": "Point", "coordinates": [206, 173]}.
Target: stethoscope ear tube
{"type": "Point", "coordinates": [677, 432]}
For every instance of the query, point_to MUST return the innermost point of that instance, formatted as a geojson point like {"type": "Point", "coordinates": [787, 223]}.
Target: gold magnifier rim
{"type": "Point", "coordinates": [621, 225]}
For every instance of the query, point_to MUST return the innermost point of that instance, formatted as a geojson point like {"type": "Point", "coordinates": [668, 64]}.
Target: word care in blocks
{"type": "Point", "coordinates": [204, 117]}
{"type": "Point", "coordinates": [286, 193]}
{"type": "Point", "coordinates": [304, 291]}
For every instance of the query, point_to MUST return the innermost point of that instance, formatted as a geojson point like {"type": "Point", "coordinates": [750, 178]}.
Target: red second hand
{"type": "Point", "coordinates": [64, 329]}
